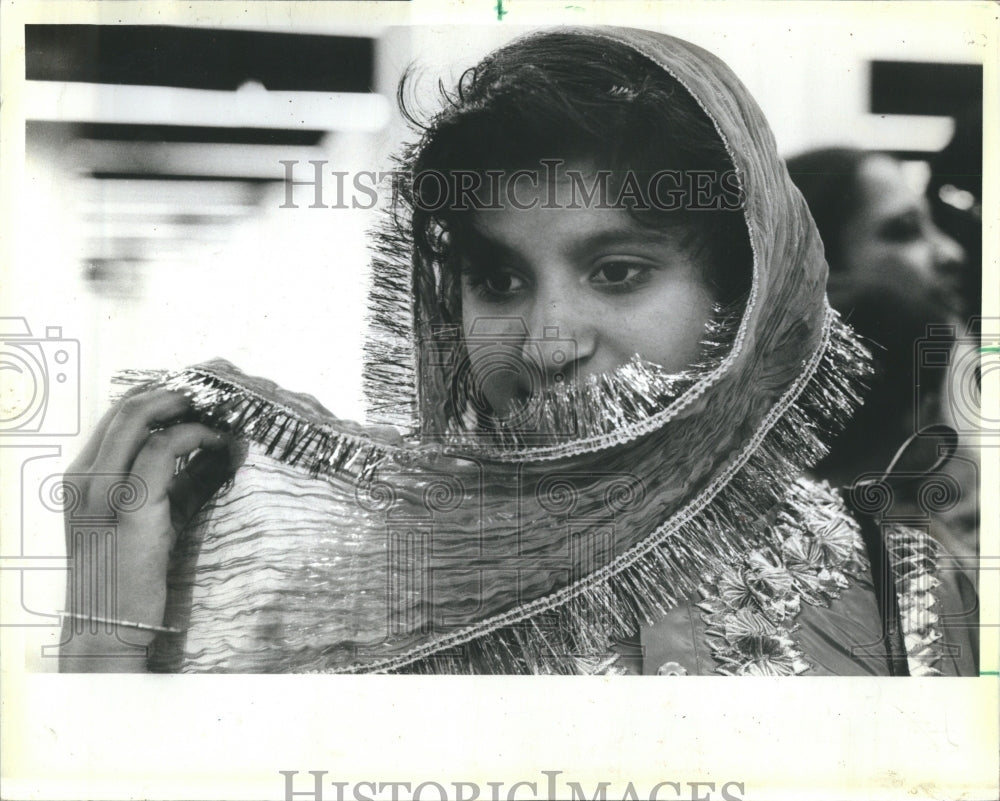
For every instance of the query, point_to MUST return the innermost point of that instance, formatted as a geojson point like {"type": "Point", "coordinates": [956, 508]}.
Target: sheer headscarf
{"type": "Point", "coordinates": [343, 548]}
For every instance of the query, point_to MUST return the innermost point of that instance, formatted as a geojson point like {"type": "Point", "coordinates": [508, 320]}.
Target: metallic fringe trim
{"type": "Point", "coordinates": [654, 576]}
{"type": "Point", "coordinates": [606, 404]}
{"type": "Point", "coordinates": [914, 558]}
{"type": "Point", "coordinates": [616, 408]}
{"type": "Point", "coordinates": [389, 372]}
{"type": "Point", "coordinates": [599, 408]}
{"type": "Point", "coordinates": [666, 567]}
{"type": "Point", "coordinates": [284, 432]}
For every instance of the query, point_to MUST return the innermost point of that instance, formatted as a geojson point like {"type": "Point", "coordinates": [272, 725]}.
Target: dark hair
{"type": "Point", "coordinates": [828, 179]}
{"type": "Point", "coordinates": [574, 96]}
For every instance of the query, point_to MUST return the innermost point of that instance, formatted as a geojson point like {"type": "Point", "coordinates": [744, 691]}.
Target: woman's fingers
{"type": "Point", "coordinates": [84, 460]}
{"type": "Point", "coordinates": [200, 479]}
{"type": "Point", "coordinates": [139, 441]}
{"type": "Point", "coordinates": [156, 462]}
{"type": "Point", "coordinates": [129, 429]}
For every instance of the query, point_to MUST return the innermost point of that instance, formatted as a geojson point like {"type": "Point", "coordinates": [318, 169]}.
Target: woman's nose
{"type": "Point", "coordinates": [949, 266]}
{"type": "Point", "coordinates": [562, 337]}
{"type": "Point", "coordinates": [949, 256]}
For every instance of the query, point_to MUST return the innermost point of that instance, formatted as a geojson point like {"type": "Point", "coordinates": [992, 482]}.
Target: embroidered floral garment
{"type": "Point", "coordinates": [813, 610]}
{"type": "Point", "coordinates": [662, 526]}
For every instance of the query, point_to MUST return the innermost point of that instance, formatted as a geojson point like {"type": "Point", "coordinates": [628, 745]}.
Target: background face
{"type": "Point", "coordinates": [892, 244]}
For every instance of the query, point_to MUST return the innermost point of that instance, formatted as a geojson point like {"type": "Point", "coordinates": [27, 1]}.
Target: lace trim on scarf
{"type": "Point", "coordinates": [914, 556]}
{"type": "Point", "coordinates": [751, 603]}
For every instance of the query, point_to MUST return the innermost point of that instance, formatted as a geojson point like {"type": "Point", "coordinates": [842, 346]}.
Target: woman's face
{"type": "Point", "coordinates": [892, 244]}
{"type": "Point", "coordinates": [556, 294]}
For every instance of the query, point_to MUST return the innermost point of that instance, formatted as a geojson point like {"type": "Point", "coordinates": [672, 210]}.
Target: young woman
{"type": "Point", "coordinates": [899, 280]}
{"type": "Point", "coordinates": [599, 323]}
{"type": "Point", "coordinates": [885, 253]}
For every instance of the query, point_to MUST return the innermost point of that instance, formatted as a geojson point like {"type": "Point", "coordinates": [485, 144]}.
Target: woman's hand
{"type": "Point", "coordinates": [133, 453]}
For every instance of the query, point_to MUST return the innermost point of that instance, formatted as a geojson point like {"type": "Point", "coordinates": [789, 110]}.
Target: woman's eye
{"type": "Point", "coordinates": [494, 284]}
{"type": "Point", "coordinates": [503, 283]}
{"type": "Point", "coordinates": [620, 273]}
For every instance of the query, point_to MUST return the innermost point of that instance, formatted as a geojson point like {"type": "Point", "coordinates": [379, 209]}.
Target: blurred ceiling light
{"type": "Point", "coordinates": [190, 194]}
{"type": "Point", "coordinates": [961, 199]}
{"type": "Point", "coordinates": [158, 211]}
{"type": "Point", "coordinates": [187, 158]}
{"type": "Point", "coordinates": [912, 132]}
{"type": "Point", "coordinates": [164, 105]}
{"type": "Point", "coordinates": [155, 230]}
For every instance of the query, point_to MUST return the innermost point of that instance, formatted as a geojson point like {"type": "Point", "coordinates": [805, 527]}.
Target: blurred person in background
{"type": "Point", "coordinates": [901, 282]}
{"type": "Point", "coordinates": [955, 194]}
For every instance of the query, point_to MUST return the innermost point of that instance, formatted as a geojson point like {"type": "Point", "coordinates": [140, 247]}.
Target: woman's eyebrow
{"type": "Point", "coordinates": [626, 236]}
{"type": "Point", "coordinates": [478, 244]}
{"type": "Point", "coordinates": [481, 245]}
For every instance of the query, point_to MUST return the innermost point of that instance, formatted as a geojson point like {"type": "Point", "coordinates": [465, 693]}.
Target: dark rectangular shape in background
{"type": "Point", "coordinates": [925, 88]}
{"type": "Point", "coordinates": [198, 58]}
